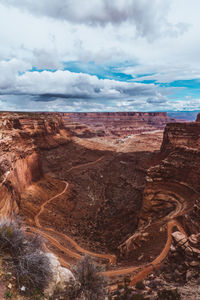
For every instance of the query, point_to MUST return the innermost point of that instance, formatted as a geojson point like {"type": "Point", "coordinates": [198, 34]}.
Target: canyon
{"type": "Point", "coordinates": [108, 184]}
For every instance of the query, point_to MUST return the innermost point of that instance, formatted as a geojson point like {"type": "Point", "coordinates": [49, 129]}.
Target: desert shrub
{"type": "Point", "coordinates": [140, 285]}
{"type": "Point", "coordinates": [89, 284]}
{"type": "Point", "coordinates": [23, 256]}
{"type": "Point", "coordinates": [12, 239]}
{"type": "Point", "coordinates": [33, 270]}
{"type": "Point", "coordinates": [8, 294]}
{"type": "Point", "coordinates": [168, 295]}
{"type": "Point", "coordinates": [71, 291]}
{"type": "Point", "coordinates": [92, 284]}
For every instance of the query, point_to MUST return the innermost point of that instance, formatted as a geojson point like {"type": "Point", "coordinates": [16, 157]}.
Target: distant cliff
{"type": "Point", "coordinates": [181, 135]}
{"type": "Point", "coordinates": [120, 123]}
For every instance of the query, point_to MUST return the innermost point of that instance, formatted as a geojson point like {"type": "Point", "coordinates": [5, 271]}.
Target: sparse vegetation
{"type": "Point", "coordinates": [23, 257]}
{"type": "Point", "coordinates": [140, 285]}
{"type": "Point", "coordinates": [125, 292]}
{"type": "Point", "coordinates": [168, 295]}
{"type": "Point", "coordinates": [8, 294]}
{"type": "Point", "coordinates": [89, 284]}
{"type": "Point", "coordinates": [92, 284]}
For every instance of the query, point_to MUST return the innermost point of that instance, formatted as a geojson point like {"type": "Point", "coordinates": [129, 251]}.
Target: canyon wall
{"type": "Point", "coordinates": [180, 169]}
{"type": "Point", "coordinates": [181, 146]}
{"type": "Point", "coordinates": [172, 188]}
{"type": "Point", "coordinates": [119, 123]}
{"type": "Point", "coordinates": [22, 135]}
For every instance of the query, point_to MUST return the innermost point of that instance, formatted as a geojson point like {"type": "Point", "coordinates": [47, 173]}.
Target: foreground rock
{"type": "Point", "coordinates": [61, 276]}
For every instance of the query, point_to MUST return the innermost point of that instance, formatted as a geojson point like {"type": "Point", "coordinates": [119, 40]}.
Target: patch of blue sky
{"type": "Point", "coordinates": [35, 69]}
{"type": "Point", "coordinates": [192, 84]}
{"type": "Point", "coordinates": [147, 82]}
{"type": "Point", "coordinates": [102, 71]}
{"type": "Point", "coordinates": [185, 89]}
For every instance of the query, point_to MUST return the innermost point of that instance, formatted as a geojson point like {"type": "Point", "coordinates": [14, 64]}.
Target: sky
{"type": "Point", "coordinates": [99, 55]}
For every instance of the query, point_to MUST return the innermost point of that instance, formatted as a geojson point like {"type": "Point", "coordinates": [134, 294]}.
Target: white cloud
{"type": "Point", "coordinates": [163, 73]}
{"type": "Point", "coordinates": [148, 17]}
{"type": "Point", "coordinates": [158, 38]}
{"type": "Point", "coordinates": [8, 72]}
{"type": "Point", "coordinates": [67, 84]}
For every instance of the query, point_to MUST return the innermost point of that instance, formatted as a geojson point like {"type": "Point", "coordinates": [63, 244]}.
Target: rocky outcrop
{"type": "Point", "coordinates": [181, 149]}
{"type": "Point", "coordinates": [60, 276]}
{"type": "Point", "coordinates": [172, 185]}
{"type": "Point", "coordinates": [181, 135]}
{"type": "Point", "coordinates": [188, 245]}
{"type": "Point", "coordinates": [181, 164]}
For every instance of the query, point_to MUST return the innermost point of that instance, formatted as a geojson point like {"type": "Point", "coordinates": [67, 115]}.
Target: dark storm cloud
{"type": "Point", "coordinates": [157, 100]}
{"type": "Point", "coordinates": [52, 97]}
{"type": "Point", "coordinates": [148, 17]}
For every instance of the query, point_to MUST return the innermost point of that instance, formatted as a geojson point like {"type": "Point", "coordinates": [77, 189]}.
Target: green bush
{"type": "Point", "coordinates": [8, 294]}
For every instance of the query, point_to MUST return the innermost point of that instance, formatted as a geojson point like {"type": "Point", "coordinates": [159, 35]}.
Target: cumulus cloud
{"type": "Point", "coordinates": [8, 72]}
{"type": "Point", "coordinates": [66, 84]}
{"type": "Point", "coordinates": [148, 17]}
{"type": "Point", "coordinates": [148, 40]}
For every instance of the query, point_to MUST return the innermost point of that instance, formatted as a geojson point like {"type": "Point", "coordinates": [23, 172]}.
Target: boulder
{"type": "Point", "coordinates": [61, 276]}
{"type": "Point", "coordinates": [194, 239]}
{"type": "Point", "coordinates": [180, 239]}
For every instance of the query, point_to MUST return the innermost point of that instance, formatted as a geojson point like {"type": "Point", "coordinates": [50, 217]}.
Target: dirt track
{"type": "Point", "coordinates": [143, 270]}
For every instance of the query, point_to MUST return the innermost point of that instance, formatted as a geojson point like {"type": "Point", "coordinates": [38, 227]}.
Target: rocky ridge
{"type": "Point", "coordinates": [118, 124]}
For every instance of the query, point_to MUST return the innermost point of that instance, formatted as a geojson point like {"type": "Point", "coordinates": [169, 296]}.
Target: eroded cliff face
{"type": "Point", "coordinates": [22, 135]}
{"type": "Point", "coordinates": [179, 170]}
{"type": "Point", "coordinates": [172, 190]}
{"type": "Point", "coordinates": [120, 123]}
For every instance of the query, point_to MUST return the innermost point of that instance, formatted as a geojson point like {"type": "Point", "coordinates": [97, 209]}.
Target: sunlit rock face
{"type": "Point", "coordinates": [22, 136]}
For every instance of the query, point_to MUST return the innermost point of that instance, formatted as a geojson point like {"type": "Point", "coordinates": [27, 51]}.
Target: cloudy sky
{"type": "Point", "coordinates": [99, 55]}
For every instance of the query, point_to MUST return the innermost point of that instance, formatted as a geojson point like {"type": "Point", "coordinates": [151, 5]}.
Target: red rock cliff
{"type": "Point", "coordinates": [120, 123]}
{"type": "Point", "coordinates": [22, 136]}
{"type": "Point", "coordinates": [178, 172]}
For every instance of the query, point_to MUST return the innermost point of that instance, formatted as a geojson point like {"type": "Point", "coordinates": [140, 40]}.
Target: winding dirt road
{"type": "Point", "coordinates": [111, 258]}
{"type": "Point", "coordinates": [143, 270]}
{"type": "Point", "coordinates": [86, 164]}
